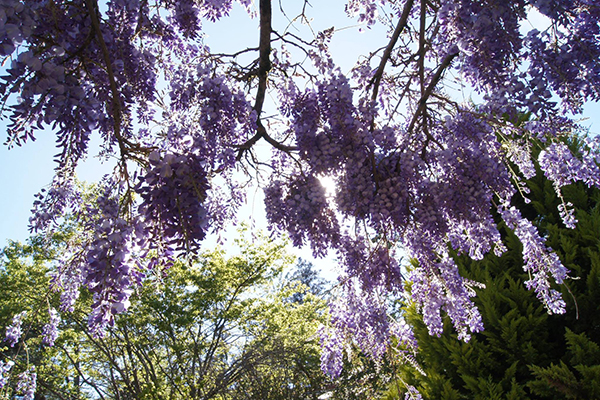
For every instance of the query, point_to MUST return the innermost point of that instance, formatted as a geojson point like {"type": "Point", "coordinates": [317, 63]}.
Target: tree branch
{"type": "Point", "coordinates": [116, 104]}
{"type": "Point", "coordinates": [126, 147]}
{"type": "Point", "coordinates": [434, 81]}
{"type": "Point", "coordinates": [376, 80]}
{"type": "Point", "coordinates": [75, 365]}
{"type": "Point", "coordinates": [264, 66]}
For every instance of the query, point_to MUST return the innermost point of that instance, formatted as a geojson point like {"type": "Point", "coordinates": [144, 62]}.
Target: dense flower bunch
{"type": "Point", "coordinates": [107, 266]}
{"type": "Point", "coordinates": [485, 33]}
{"type": "Point", "coordinates": [14, 331]}
{"type": "Point", "coordinates": [50, 330]}
{"type": "Point", "coordinates": [27, 383]}
{"type": "Point", "coordinates": [540, 261]}
{"type": "Point", "coordinates": [571, 50]}
{"type": "Point", "coordinates": [5, 368]}
{"type": "Point", "coordinates": [304, 212]}
{"type": "Point", "coordinates": [172, 193]}
{"type": "Point", "coordinates": [58, 72]}
{"type": "Point", "coordinates": [413, 168]}
{"type": "Point", "coordinates": [332, 351]}
{"type": "Point", "coordinates": [412, 394]}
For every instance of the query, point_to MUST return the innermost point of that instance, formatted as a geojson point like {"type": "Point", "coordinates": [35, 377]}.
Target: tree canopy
{"type": "Point", "coordinates": [227, 327]}
{"type": "Point", "coordinates": [414, 167]}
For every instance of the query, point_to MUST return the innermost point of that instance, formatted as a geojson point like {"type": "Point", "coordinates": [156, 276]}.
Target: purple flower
{"type": "Point", "coordinates": [540, 261]}
{"type": "Point", "coordinates": [5, 368]}
{"type": "Point", "coordinates": [14, 332]}
{"type": "Point", "coordinates": [27, 383]}
{"type": "Point", "coordinates": [332, 348]}
{"type": "Point", "coordinates": [50, 330]}
{"type": "Point", "coordinates": [412, 393]}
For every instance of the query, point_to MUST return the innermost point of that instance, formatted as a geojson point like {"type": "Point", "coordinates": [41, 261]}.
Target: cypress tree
{"type": "Point", "coordinates": [524, 353]}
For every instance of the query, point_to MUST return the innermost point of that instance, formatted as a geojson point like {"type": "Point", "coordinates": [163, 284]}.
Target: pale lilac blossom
{"type": "Point", "coordinates": [27, 383]}
{"type": "Point", "coordinates": [50, 330]}
{"type": "Point", "coordinates": [5, 368]}
{"type": "Point", "coordinates": [14, 330]}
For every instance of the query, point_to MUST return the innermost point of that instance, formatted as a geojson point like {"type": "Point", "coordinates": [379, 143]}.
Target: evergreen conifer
{"type": "Point", "coordinates": [523, 353]}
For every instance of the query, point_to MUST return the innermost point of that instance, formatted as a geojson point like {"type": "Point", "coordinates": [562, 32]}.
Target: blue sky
{"type": "Point", "coordinates": [25, 170]}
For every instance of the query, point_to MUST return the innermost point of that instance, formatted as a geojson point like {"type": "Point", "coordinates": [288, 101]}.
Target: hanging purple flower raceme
{"type": "Point", "coordinates": [173, 191]}
{"type": "Point", "coordinates": [212, 115]}
{"type": "Point", "coordinates": [437, 286]}
{"type": "Point", "coordinates": [374, 267]}
{"type": "Point", "coordinates": [27, 384]}
{"type": "Point", "coordinates": [186, 18]}
{"type": "Point", "coordinates": [412, 393]}
{"type": "Point", "coordinates": [50, 330]}
{"type": "Point", "coordinates": [540, 261]}
{"type": "Point", "coordinates": [69, 278]}
{"type": "Point", "coordinates": [406, 348]}
{"type": "Point", "coordinates": [520, 155]}
{"type": "Point", "coordinates": [49, 79]}
{"type": "Point", "coordinates": [211, 118]}
{"type": "Point", "coordinates": [108, 270]}
{"type": "Point", "coordinates": [486, 34]}
{"type": "Point", "coordinates": [302, 210]}
{"type": "Point", "coordinates": [562, 168]}
{"type": "Point", "coordinates": [14, 331]}
{"type": "Point", "coordinates": [357, 317]}
{"type": "Point", "coordinates": [325, 125]}
{"type": "Point", "coordinates": [332, 351]}
{"type": "Point", "coordinates": [362, 317]}
{"type": "Point", "coordinates": [388, 195]}
{"type": "Point", "coordinates": [5, 368]}
{"type": "Point", "coordinates": [50, 205]}
{"type": "Point", "coordinates": [566, 59]}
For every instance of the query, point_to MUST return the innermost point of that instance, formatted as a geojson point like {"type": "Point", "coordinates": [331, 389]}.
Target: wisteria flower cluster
{"type": "Point", "coordinates": [27, 383]}
{"type": "Point", "coordinates": [5, 368]}
{"type": "Point", "coordinates": [172, 192]}
{"type": "Point", "coordinates": [14, 330]}
{"type": "Point", "coordinates": [109, 272]}
{"type": "Point", "coordinates": [50, 330]}
{"type": "Point", "coordinates": [539, 260]}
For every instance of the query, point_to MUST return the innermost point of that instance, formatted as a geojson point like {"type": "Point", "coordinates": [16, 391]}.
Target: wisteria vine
{"type": "Point", "coordinates": [413, 167]}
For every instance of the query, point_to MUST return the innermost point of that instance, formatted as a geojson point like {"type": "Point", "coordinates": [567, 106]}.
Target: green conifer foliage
{"type": "Point", "coordinates": [524, 353]}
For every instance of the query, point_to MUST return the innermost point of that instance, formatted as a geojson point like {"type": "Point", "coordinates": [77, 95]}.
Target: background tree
{"type": "Point", "coordinates": [25, 282]}
{"type": "Point", "coordinates": [217, 329]}
{"type": "Point", "coordinates": [524, 353]}
{"type": "Point", "coordinates": [306, 274]}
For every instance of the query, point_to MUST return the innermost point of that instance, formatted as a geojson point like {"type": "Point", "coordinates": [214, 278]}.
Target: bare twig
{"type": "Point", "coordinates": [434, 81]}
{"type": "Point", "coordinates": [376, 80]}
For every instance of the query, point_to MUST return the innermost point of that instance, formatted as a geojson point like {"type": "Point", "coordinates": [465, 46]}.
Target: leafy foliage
{"type": "Point", "coordinates": [25, 281]}
{"type": "Point", "coordinates": [524, 352]}
{"type": "Point", "coordinates": [218, 329]}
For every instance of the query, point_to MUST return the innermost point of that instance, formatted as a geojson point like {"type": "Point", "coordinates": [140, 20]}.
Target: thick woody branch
{"type": "Point", "coordinates": [264, 63]}
{"type": "Point", "coordinates": [126, 147]}
{"type": "Point", "coordinates": [422, 27]}
{"type": "Point", "coordinates": [264, 66]}
{"type": "Point", "coordinates": [376, 80]}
